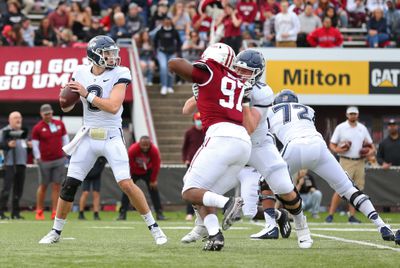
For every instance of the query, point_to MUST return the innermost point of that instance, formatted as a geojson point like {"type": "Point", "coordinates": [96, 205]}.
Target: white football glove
{"type": "Point", "coordinates": [195, 90]}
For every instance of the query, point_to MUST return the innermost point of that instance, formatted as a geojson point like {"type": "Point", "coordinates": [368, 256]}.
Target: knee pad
{"type": "Point", "coordinates": [263, 186]}
{"type": "Point", "coordinates": [296, 200]}
{"type": "Point", "coordinates": [358, 198]}
{"type": "Point", "coordinates": [69, 188]}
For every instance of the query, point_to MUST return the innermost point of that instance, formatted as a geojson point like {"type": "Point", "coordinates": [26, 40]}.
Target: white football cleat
{"type": "Point", "coordinates": [303, 234]}
{"type": "Point", "coordinates": [158, 235]}
{"type": "Point", "coordinates": [51, 238]}
{"type": "Point", "coordinates": [197, 233]}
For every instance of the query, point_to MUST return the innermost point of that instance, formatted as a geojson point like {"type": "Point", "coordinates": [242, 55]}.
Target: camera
{"type": "Point", "coordinates": [11, 134]}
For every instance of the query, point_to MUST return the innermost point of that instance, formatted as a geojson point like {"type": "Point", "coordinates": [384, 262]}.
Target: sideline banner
{"type": "Point", "coordinates": [336, 76]}
{"type": "Point", "coordinates": [38, 73]}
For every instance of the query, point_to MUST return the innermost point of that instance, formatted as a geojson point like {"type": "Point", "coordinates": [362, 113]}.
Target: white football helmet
{"type": "Point", "coordinates": [221, 53]}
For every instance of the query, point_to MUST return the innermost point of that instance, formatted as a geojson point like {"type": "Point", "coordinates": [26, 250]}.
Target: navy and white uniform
{"type": "Point", "coordinates": [304, 147]}
{"type": "Point", "coordinates": [112, 145]}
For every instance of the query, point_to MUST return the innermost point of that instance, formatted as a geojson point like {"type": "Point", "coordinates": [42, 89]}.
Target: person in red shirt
{"type": "Point", "coordinates": [247, 9]}
{"type": "Point", "coordinates": [144, 162]}
{"type": "Point", "coordinates": [59, 18]}
{"type": "Point", "coordinates": [48, 138]}
{"type": "Point", "coordinates": [232, 32]}
{"type": "Point", "coordinates": [194, 137]}
{"type": "Point", "coordinates": [326, 36]}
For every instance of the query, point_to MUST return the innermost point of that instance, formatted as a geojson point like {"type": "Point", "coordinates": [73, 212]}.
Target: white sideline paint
{"type": "Point", "coordinates": [111, 227]}
{"type": "Point", "coordinates": [68, 238]}
{"type": "Point", "coordinates": [355, 242]}
{"type": "Point", "coordinates": [343, 229]}
{"type": "Point", "coordinates": [164, 227]}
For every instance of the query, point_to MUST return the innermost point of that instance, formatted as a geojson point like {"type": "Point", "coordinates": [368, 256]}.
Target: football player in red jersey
{"type": "Point", "coordinates": [226, 148]}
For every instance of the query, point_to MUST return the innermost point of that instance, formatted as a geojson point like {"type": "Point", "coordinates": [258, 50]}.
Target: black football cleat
{"type": "Point", "coordinates": [284, 224]}
{"type": "Point", "coordinates": [214, 242]}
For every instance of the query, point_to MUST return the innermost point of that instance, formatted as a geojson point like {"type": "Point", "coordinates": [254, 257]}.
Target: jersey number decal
{"type": "Point", "coordinates": [287, 111]}
{"type": "Point", "coordinates": [228, 87]}
{"type": "Point", "coordinates": [98, 91]}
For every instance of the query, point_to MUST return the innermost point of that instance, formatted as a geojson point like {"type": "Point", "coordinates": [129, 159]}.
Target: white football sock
{"type": "Point", "coordinates": [58, 224]}
{"type": "Point", "coordinates": [148, 218]}
{"type": "Point", "coordinates": [214, 200]}
{"type": "Point", "coordinates": [212, 224]}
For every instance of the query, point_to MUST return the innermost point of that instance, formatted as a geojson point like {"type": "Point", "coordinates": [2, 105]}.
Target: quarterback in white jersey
{"type": "Point", "coordinates": [304, 148]}
{"type": "Point", "coordinates": [101, 87]}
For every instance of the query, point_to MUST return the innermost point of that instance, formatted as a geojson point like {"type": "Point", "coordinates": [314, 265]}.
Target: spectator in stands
{"type": "Point", "coordinates": [156, 20]}
{"type": "Point", "coordinates": [51, 5]}
{"type": "Point", "coordinates": [167, 45]}
{"type": "Point", "coordinates": [13, 14]}
{"type": "Point", "coordinates": [12, 36]}
{"type": "Point", "coordinates": [134, 22]}
{"type": "Point", "coordinates": [247, 9]}
{"type": "Point", "coordinates": [28, 33]}
{"type": "Point", "coordinates": [95, 30]}
{"type": "Point", "coordinates": [270, 5]}
{"type": "Point", "coordinates": [392, 16]}
{"type": "Point", "coordinates": [67, 38]}
{"type": "Point", "coordinates": [372, 5]}
{"type": "Point", "coordinates": [308, 23]}
{"type": "Point", "coordinates": [231, 21]}
{"type": "Point", "coordinates": [59, 18]}
{"type": "Point", "coordinates": [268, 29]}
{"type": "Point", "coordinates": [108, 20]}
{"type": "Point", "coordinates": [119, 29]}
{"type": "Point", "coordinates": [193, 47]}
{"type": "Point", "coordinates": [146, 56]}
{"type": "Point", "coordinates": [307, 188]}
{"type": "Point", "coordinates": [144, 162]}
{"type": "Point", "coordinates": [200, 23]}
{"type": "Point", "coordinates": [143, 7]}
{"type": "Point", "coordinates": [27, 6]}
{"type": "Point", "coordinates": [377, 29]}
{"type": "Point", "coordinates": [45, 35]}
{"type": "Point", "coordinates": [330, 12]}
{"type": "Point", "coordinates": [181, 20]}
{"type": "Point", "coordinates": [356, 11]}
{"type": "Point", "coordinates": [287, 26]}
{"type": "Point", "coordinates": [95, 7]}
{"type": "Point", "coordinates": [192, 141]}
{"type": "Point", "coordinates": [92, 180]}
{"type": "Point", "coordinates": [48, 137]}
{"type": "Point", "coordinates": [297, 7]}
{"type": "Point", "coordinates": [79, 20]}
{"type": "Point", "coordinates": [389, 149]}
{"type": "Point", "coordinates": [15, 147]}
{"type": "Point", "coordinates": [326, 36]}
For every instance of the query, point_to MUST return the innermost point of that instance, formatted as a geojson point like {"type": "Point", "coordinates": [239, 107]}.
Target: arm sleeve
{"type": "Point", "coordinates": [380, 154]}
{"type": "Point", "coordinates": [311, 39]}
{"type": "Point", "coordinates": [200, 73]}
{"type": "Point", "coordinates": [367, 136]}
{"type": "Point", "coordinates": [65, 139]}
{"type": "Point", "coordinates": [35, 149]}
{"type": "Point", "coordinates": [296, 25]}
{"type": "Point", "coordinates": [155, 159]}
{"type": "Point", "coordinates": [339, 39]}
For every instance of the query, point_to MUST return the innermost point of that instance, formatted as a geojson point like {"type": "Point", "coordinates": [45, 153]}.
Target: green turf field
{"type": "Point", "coordinates": [109, 243]}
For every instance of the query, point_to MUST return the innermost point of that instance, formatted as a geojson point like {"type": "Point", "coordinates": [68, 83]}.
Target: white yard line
{"type": "Point", "coordinates": [355, 242]}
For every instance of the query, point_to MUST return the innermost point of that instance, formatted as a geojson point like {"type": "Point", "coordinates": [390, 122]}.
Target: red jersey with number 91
{"type": "Point", "coordinates": [220, 97]}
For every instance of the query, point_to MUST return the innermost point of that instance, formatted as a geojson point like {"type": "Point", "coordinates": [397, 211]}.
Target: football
{"type": "Point", "coordinates": [345, 145]}
{"type": "Point", "coordinates": [365, 149]}
{"type": "Point", "coordinates": [67, 97]}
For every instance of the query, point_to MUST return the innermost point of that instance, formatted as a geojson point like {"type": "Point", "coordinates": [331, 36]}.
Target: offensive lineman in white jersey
{"type": "Point", "coordinates": [265, 158]}
{"type": "Point", "coordinates": [101, 87]}
{"type": "Point", "coordinates": [304, 148]}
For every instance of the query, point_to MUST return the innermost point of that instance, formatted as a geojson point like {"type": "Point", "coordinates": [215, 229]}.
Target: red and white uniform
{"type": "Point", "coordinates": [227, 146]}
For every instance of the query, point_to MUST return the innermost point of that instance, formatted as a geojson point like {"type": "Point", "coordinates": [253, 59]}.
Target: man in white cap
{"type": "Point", "coordinates": [352, 142]}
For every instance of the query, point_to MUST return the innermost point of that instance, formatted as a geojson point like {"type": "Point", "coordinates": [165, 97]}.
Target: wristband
{"type": "Point", "coordinates": [90, 97]}
{"type": "Point", "coordinates": [246, 104]}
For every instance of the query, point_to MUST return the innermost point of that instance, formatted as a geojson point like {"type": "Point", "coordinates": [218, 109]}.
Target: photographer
{"type": "Point", "coordinates": [13, 142]}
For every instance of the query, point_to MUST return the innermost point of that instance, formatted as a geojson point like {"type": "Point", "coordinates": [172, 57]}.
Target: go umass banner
{"type": "Point", "coordinates": [37, 74]}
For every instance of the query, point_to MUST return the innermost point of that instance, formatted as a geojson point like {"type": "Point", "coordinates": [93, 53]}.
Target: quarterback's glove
{"type": "Point", "coordinates": [247, 88]}
{"type": "Point", "coordinates": [195, 90]}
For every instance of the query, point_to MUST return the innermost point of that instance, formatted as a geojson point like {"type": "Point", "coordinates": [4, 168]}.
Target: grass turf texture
{"type": "Point", "coordinates": [110, 243]}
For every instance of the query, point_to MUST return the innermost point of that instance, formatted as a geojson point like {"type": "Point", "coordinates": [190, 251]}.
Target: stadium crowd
{"type": "Point", "coordinates": [268, 22]}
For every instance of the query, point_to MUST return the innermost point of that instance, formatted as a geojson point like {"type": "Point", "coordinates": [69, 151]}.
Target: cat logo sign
{"type": "Point", "coordinates": [384, 78]}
